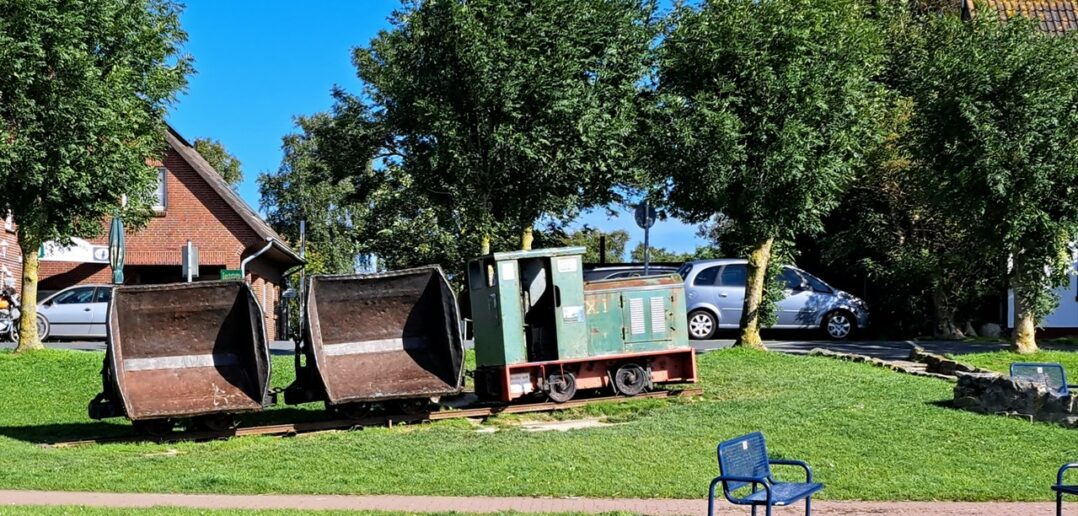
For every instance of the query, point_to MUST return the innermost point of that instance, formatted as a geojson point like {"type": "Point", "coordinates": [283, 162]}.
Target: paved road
{"type": "Point", "coordinates": [277, 347]}
{"type": "Point", "coordinates": [882, 349]}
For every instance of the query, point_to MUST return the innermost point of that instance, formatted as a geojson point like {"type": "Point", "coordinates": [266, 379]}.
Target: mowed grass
{"type": "Point", "coordinates": [869, 433]}
{"type": "Point", "coordinates": [1001, 361]}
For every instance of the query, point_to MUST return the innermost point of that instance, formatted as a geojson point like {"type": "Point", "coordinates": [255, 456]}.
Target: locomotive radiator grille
{"type": "Point", "coordinates": [636, 316]}
{"type": "Point", "coordinates": [658, 316]}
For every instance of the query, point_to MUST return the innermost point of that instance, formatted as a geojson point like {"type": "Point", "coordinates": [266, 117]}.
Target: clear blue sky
{"type": "Point", "coordinates": [261, 63]}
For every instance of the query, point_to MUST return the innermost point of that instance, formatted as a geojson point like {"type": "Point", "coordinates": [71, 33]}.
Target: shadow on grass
{"type": "Point", "coordinates": [120, 429]}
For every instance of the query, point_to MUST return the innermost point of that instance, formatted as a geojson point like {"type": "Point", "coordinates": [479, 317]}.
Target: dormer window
{"type": "Point", "coordinates": [161, 193]}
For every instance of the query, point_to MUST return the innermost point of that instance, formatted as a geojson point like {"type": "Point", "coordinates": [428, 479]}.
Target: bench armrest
{"type": "Point", "coordinates": [725, 478]}
{"type": "Point", "coordinates": [800, 463]}
{"type": "Point", "coordinates": [1059, 476]}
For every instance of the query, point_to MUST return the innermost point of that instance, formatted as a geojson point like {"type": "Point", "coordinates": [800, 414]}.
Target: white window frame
{"type": "Point", "coordinates": [162, 183]}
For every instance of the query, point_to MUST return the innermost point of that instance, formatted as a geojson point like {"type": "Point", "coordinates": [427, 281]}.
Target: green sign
{"type": "Point", "coordinates": [231, 274]}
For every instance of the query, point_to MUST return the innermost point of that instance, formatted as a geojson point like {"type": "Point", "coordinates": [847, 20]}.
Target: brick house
{"type": "Point", "coordinates": [194, 204]}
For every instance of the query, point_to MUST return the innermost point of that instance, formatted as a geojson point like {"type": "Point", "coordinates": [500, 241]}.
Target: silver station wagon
{"type": "Point", "coordinates": [715, 297]}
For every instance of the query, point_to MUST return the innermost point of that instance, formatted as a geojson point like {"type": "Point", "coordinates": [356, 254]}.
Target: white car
{"type": "Point", "coordinates": [80, 311]}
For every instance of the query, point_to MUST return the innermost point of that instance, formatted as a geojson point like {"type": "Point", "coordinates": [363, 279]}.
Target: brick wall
{"type": "Point", "coordinates": [194, 211]}
{"type": "Point", "coordinates": [10, 255]}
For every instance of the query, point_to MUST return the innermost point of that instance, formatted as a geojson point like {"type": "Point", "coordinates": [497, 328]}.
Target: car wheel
{"type": "Point", "coordinates": [702, 324]}
{"type": "Point", "coordinates": [839, 325]}
{"type": "Point", "coordinates": [43, 328]}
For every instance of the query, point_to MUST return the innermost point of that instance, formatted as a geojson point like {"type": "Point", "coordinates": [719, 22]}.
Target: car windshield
{"type": "Point", "coordinates": [816, 283]}
{"type": "Point", "coordinates": [684, 271]}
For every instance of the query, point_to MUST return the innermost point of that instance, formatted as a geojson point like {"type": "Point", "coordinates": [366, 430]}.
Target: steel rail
{"type": "Point", "coordinates": [309, 427]}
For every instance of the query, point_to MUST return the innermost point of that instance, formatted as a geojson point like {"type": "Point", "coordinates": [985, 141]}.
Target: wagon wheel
{"type": "Point", "coordinates": [414, 407]}
{"type": "Point", "coordinates": [561, 387]}
{"type": "Point", "coordinates": [216, 423]}
{"type": "Point", "coordinates": [153, 427]}
{"type": "Point", "coordinates": [353, 410]}
{"type": "Point", "coordinates": [630, 379]}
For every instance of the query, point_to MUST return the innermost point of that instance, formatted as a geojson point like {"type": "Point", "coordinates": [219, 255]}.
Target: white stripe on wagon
{"type": "Point", "coordinates": [181, 362]}
{"type": "Point", "coordinates": [374, 346]}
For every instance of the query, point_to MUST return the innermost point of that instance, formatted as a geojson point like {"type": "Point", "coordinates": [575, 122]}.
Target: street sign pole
{"type": "Point", "coordinates": [645, 218]}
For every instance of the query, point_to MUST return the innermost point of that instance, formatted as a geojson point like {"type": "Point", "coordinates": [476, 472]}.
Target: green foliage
{"type": "Point", "coordinates": [220, 159]}
{"type": "Point", "coordinates": [303, 189]}
{"type": "Point", "coordinates": [994, 137]}
{"type": "Point", "coordinates": [589, 237]}
{"type": "Point", "coordinates": [838, 416]}
{"type": "Point", "coordinates": [494, 114]}
{"type": "Point", "coordinates": [84, 86]}
{"type": "Point", "coordinates": [659, 254]}
{"type": "Point", "coordinates": [767, 108]}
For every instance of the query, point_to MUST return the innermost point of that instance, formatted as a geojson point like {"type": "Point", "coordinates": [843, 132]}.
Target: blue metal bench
{"type": "Point", "coordinates": [745, 474]}
{"type": "Point", "coordinates": [1050, 375]}
{"type": "Point", "coordinates": [1061, 489]}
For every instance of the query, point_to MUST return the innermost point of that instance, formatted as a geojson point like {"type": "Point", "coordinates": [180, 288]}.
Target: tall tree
{"type": "Point", "coordinates": [659, 254]}
{"type": "Point", "coordinates": [505, 112]}
{"type": "Point", "coordinates": [766, 107]}
{"type": "Point", "coordinates": [223, 162]}
{"type": "Point", "coordinates": [994, 131]}
{"type": "Point", "coordinates": [84, 85]}
{"type": "Point", "coordinates": [304, 189]}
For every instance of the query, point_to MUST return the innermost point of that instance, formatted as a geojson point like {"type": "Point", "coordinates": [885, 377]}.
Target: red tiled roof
{"type": "Point", "coordinates": [1055, 16]}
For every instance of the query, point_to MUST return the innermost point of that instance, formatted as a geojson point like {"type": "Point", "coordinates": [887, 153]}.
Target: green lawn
{"type": "Point", "coordinates": [1001, 360]}
{"type": "Point", "coordinates": [869, 433]}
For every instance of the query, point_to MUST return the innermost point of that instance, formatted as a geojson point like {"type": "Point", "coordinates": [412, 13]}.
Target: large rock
{"type": "Point", "coordinates": [995, 394]}
{"type": "Point", "coordinates": [991, 330]}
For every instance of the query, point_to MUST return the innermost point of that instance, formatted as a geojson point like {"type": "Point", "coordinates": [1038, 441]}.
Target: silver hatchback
{"type": "Point", "coordinates": [715, 297]}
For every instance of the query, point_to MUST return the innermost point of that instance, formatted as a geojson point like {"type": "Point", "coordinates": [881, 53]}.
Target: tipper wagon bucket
{"type": "Point", "coordinates": [181, 350]}
{"type": "Point", "coordinates": [377, 337]}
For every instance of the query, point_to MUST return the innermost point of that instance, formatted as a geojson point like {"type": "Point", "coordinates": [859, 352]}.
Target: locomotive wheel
{"type": "Point", "coordinates": [561, 387]}
{"type": "Point", "coordinates": [153, 427]}
{"type": "Point", "coordinates": [630, 379]}
{"type": "Point", "coordinates": [353, 410]}
{"type": "Point", "coordinates": [216, 423]}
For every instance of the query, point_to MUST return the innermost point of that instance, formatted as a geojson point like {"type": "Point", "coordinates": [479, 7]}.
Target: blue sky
{"type": "Point", "coordinates": [261, 63]}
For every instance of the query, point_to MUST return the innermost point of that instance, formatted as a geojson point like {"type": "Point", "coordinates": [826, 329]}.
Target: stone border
{"type": "Point", "coordinates": [936, 366]}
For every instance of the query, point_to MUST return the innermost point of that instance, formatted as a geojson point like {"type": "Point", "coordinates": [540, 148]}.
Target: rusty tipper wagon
{"type": "Point", "coordinates": [540, 329]}
{"type": "Point", "coordinates": [391, 338]}
{"type": "Point", "coordinates": [186, 350]}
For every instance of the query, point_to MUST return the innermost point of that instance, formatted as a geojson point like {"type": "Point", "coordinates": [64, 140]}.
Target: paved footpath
{"type": "Point", "coordinates": [492, 504]}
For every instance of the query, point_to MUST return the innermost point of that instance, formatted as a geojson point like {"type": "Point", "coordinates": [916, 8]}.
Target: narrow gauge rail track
{"type": "Point", "coordinates": [381, 420]}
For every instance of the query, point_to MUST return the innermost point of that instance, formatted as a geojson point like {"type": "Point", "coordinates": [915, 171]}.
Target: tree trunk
{"type": "Point", "coordinates": [1023, 339]}
{"type": "Point", "coordinates": [28, 337]}
{"type": "Point", "coordinates": [485, 250]}
{"type": "Point", "coordinates": [754, 295]}
{"type": "Point", "coordinates": [526, 239]}
{"type": "Point", "coordinates": [945, 327]}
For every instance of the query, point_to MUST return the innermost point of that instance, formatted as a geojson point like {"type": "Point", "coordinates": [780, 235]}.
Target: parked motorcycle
{"type": "Point", "coordinates": [10, 311]}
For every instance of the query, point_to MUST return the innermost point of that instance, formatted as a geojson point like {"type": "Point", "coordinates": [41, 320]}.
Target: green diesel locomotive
{"type": "Point", "coordinates": [540, 329]}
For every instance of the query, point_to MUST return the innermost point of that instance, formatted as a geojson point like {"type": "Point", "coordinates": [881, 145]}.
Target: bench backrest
{"type": "Point", "coordinates": [1050, 375]}
{"type": "Point", "coordinates": [744, 456]}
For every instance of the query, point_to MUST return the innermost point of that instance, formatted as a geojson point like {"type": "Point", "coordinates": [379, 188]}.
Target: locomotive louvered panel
{"type": "Point", "coordinates": [658, 316]}
{"type": "Point", "coordinates": [636, 316]}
